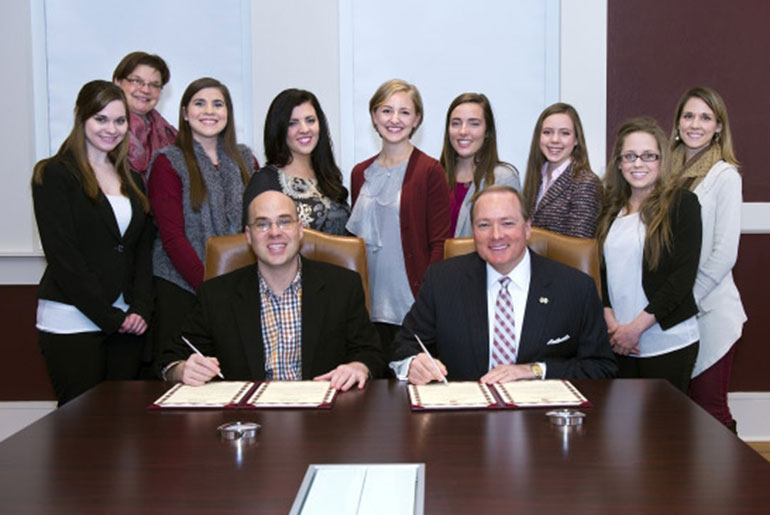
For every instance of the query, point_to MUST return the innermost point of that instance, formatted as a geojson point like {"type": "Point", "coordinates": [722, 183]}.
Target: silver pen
{"type": "Point", "coordinates": [196, 351]}
{"type": "Point", "coordinates": [435, 365]}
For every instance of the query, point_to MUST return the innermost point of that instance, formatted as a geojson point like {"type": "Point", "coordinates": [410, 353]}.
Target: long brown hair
{"type": "Point", "coordinates": [712, 99]}
{"type": "Point", "coordinates": [184, 139]}
{"type": "Point", "coordinates": [654, 211]}
{"type": "Point", "coordinates": [486, 159]}
{"type": "Point", "coordinates": [92, 98]}
{"type": "Point", "coordinates": [537, 159]}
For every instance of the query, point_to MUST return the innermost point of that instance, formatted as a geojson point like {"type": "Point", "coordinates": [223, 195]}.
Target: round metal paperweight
{"type": "Point", "coordinates": [566, 417]}
{"type": "Point", "coordinates": [238, 430]}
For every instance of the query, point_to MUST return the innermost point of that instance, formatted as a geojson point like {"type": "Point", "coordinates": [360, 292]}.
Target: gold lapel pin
{"type": "Point", "coordinates": [543, 300]}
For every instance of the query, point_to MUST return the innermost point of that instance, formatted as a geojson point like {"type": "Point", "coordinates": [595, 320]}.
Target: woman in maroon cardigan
{"type": "Point", "coordinates": [400, 208]}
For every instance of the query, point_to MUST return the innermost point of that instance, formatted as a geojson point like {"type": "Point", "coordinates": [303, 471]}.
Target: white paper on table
{"type": "Point", "coordinates": [292, 393]}
{"type": "Point", "coordinates": [213, 394]}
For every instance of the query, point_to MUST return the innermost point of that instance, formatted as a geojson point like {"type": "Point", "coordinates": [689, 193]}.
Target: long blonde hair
{"type": "Point", "coordinates": [654, 211]}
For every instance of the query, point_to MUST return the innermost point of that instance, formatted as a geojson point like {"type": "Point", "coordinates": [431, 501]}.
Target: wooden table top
{"type": "Point", "coordinates": [644, 448]}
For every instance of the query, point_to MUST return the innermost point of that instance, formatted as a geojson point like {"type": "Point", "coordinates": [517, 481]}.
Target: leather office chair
{"type": "Point", "coordinates": [580, 253]}
{"type": "Point", "coordinates": [227, 253]}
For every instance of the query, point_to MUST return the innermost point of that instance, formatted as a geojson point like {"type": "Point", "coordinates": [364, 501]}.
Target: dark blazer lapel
{"type": "Point", "coordinates": [477, 325]}
{"type": "Point", "coordinates": [537, 311]}
{"type": "Point", "coordinates": [246, 306]}
{"type": "Point", "coordinates": [137, 220]}
{"type": "Point", "coordinates": [108, 215]}
{"type": "Point", "coordinates": [312, 313]}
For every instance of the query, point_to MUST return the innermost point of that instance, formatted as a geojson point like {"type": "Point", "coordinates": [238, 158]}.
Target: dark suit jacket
{"type": "Point", "coordinates": [336, 329]}
{"type": "Point", "coordinates": [89, 263]}
{"type": "Point", "coordinates": [450, 316]}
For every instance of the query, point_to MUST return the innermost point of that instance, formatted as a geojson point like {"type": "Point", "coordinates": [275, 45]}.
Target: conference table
{"type": "Point", "coordinates": [643, 448]}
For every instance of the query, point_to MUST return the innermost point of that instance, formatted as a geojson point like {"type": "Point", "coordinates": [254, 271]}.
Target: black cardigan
{"type": "Point", "coordinates": [88, 263]}
{"type": "Point", "coordinates": [669, 287]}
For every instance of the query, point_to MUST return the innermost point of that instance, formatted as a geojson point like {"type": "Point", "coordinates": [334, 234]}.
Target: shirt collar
{"type": "Point", "coordinates": [556, 173]}
{"type": "Point", "coordinates": [519, 275]}
{"type": "Point", "coordinates": [295, 285]}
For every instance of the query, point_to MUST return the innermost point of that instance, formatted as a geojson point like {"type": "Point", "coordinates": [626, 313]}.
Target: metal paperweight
{"type": "Point", "coordinates": [238, 430]}
{"type": "Point", "coordinates": [566, 417]}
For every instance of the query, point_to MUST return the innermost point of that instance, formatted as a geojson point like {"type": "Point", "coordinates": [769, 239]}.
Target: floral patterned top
{"type": "Point", "coordinates": [314, 209]}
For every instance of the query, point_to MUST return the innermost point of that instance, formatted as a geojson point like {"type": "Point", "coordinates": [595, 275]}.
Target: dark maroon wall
{"type": "Point", "coordinates": [24, 376]}
{"type": "Point", "coordinates": [656, 50]}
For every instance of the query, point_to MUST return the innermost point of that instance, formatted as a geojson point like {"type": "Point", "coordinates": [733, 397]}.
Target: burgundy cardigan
{"type": "Point", "coordinates": [424, 212]}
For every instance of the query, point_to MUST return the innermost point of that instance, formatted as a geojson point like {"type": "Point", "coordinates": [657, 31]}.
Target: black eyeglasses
{"type": "Point", "coordinates": [647, 157]}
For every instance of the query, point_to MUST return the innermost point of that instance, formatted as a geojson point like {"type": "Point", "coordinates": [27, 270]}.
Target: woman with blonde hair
{"type": "Point", "coordinates": [400, 207]}
{"type": "Point", "coordinates": [649, 235]}
{"type": "Point", "coordinates": [95, 297]}
{"type": "Point", "coordinates": [470, 157]}
{"type": "Point", "coordinates": [704, 162]}
{"type": "Point", "coordinates": [560, 190]}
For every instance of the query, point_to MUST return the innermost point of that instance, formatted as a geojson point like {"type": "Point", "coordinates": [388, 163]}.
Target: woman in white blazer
{"type": "Point", "coordinates": [470, 158]}
{"type": "Point", "coordinates": [705, 163]}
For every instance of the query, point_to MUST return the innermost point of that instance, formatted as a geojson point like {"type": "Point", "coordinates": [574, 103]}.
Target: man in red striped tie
{"type": "Point", "coordinates": [504, 313]}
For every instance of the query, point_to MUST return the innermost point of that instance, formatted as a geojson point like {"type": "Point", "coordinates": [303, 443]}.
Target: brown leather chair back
{"type": "Point", "coordinates": [227, 253]}
{"type": "Point", "coordinates": [580, 253]}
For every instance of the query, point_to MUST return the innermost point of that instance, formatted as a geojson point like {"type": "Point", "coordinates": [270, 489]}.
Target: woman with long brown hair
{"type": "Point", "coordinates": [704, 162]}
{"type": "Point", "coordinates": [196, 191]}
{"type": "Point", "coordinates": [470, 157]}
{"type": "Point", "coordinates": [95, 297]}
{"type": "Point", "coordinates": [649, 235]}
{"type": "Point", "coordinates": [560, 190]}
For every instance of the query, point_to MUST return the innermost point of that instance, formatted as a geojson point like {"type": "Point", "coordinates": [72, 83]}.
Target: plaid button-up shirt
{"type": "Point", "coordinates": [282, 330]}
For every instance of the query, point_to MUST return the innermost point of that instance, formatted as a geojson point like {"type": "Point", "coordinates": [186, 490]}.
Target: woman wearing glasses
{"type": "Point", "coordinates": [650, 238]}
{"type": "Point", "coordinates": [704, 162]}
{"type": "Point", "coordinates": [142, 76]}
{"type": "Point", "coordinates": [95, 297]}
{"type": "Point", "coordinates": [470, 157]}
{"type": "Point", "coordinates": [300, 162]}
{"type": "Point", "coordinates": [562, 192]}
{"type": "Point", "coordinates": [196, 191]}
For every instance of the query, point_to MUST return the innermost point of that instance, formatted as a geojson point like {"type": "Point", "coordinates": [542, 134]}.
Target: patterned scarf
{"type": "Point", "coordinates": [690, 173]}
{"type": "Point", "coordinates": [146, 138]}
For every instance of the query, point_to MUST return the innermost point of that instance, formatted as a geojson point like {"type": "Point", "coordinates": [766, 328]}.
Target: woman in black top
{"type": "Point", "coordinates": [95, 297]}
{"type": "Point", "coordinates": [300, 162]}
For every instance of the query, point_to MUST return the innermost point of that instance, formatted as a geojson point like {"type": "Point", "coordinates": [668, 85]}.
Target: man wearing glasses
{"type": "Point", "coordinates": [287, 318]}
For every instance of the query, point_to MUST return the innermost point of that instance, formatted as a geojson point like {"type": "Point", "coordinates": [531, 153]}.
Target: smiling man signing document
{"type": "Point", "coordinates": [504, 313]}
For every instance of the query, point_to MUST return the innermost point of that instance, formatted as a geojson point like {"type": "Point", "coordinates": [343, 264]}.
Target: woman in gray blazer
{"type": "Point", "coordinates": [704, 162]}
{"type": "Point", "coordinates": [470, 157]}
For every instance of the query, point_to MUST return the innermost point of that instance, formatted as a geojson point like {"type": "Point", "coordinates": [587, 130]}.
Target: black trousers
{"type": "Point", "coordinates": [78, 362]}
{"type": "Point", "coordinates": [172, 305]}
{"type": "Point", "coordinates": [675, 367]}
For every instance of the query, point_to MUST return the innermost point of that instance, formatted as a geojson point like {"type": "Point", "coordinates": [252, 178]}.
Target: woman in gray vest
{"type": "Point", "coordinates": [196, 190]}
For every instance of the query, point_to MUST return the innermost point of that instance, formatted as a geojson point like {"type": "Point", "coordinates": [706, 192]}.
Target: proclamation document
{"type": "Point", "coordinates": [216, 394]}
{"type": "Point", "coordinates": [453, 395]}
{"type": "Point", "coordinates": [292, 394]}
{"type": "Point", "coordinates": [540, 394]}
